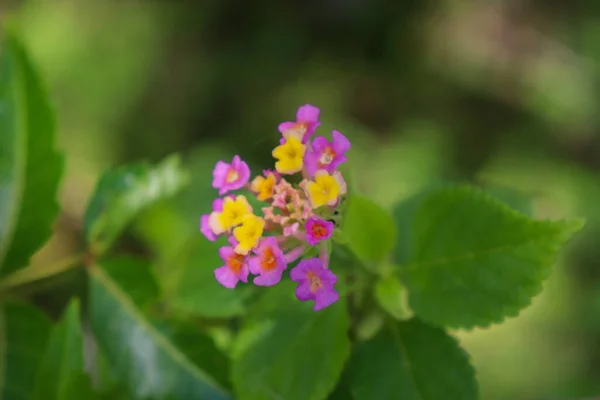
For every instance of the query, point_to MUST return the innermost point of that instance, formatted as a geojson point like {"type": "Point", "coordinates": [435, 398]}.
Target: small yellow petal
{"type": "Point", "coordinates": [290, 156]}
{"type": "Point", "coordinates": [234, 211]}
{"type": "Point", "coordinates": [257, 183]}
{"type": "Point", "coordinates": [324, 190]}
{"type": "Point", "coordinates": [248, 234]}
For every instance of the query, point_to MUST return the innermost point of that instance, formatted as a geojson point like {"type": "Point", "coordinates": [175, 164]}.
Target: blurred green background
{"type": "Point", "coordinates": [500, 93]}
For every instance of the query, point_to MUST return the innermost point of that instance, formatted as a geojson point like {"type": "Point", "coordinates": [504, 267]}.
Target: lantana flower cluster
{"type": "Point", "coordinates": [296, 220]}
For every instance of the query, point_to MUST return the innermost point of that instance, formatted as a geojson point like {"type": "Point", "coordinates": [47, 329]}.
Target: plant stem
{"type": "Point", "coordinates": [35, 273]}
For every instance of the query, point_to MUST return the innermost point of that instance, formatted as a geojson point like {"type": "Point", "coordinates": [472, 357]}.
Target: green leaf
{"type": "Point", "coordinates": [390, 295]}
{"type": "Point", "coordinates": [24, 332]}
{"type": "Point", "coordinates": [369, 324]}
{"type": "Point", "coordinates": [368, 229]}
{"type": "Point", "coordinates": [189, 283]}
{"type": "Point", "coordinates": [144, 358]}
{"type": "Point", "coordinates": [296, 354]}
{"type": "Point", "coordinates": [200, 349]}
{"type": "Point", "coordinates": [514, 199]}
{"type": "Point", "coordinates": [61, 372]}
{"type": "Point", "coordinates": [403, 214]}
{"type": "Point", "coordinates": [30, 167]}
{"type": "Point", "coordinates": [123, 192]}
{"type": "Point", "coordinates": [473, 260]}
{"type": "Point", "coordinates": [342, 389]}
{"type": "Point", "coordinates": [412, 361]}
{"type": "Point", "coordinates": [134, 277]}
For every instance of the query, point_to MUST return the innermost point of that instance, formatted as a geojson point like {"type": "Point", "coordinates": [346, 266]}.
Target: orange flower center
{"type": "Point", "coordinates": [235, 263]}
{"type": "Point", "coordinates": [232, 176]}
{"type": "Point", "coordinates": [269, 262]}
{"type": "Point", "coordinates": [327, 156]}
{"type": "Point", "coordinates": [319, 231]}
{"type": "Point", "coordinates": [300, 127]}
{"type": "Point", "coordinates": [315, 281]}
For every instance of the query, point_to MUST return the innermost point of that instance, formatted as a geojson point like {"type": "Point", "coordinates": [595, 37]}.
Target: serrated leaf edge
{"type": "Point", "coordinates": [571, 226]}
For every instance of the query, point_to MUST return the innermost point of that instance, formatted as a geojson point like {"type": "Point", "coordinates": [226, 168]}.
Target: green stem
{"type": "Point", "coordinates": [35, 273]}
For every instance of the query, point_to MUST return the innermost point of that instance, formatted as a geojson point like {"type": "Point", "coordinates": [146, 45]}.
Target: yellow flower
{"type": "Point", "coordinates": [324, 190]}
{"type": "Point", "coordinates": [290, 156]}
{"type": "Point", "coordinates": [249, 233]}
{"type": "Point", "coordinates": [264, 186]}
{"type": "Point", "coordinates": [233, 213]}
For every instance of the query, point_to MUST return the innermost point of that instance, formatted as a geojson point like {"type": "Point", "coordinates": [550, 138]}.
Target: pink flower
{"type": "Point", "coordinates": [205, 226]}
{"type": "Point", "coordinates": [284, 193]}
{"type": "Point", "coordinates": [269, 262]}
{"type": "Point", "coordinates": [307, 121]}
{"type": "Point", "coordinates": [318, 230]}
{"type": "Point", "coordinates": [325, 154]}
{"type": "Point", "coordinates": [315, 283]}
{"type": "Point", "coordinates": [269, 215]}
{"type": "Point", "coordinates": [232, 176]}
{"type": "Point", "coordinates": [291, 230]}
{"type": "Point", "coordinates": [235, 268]}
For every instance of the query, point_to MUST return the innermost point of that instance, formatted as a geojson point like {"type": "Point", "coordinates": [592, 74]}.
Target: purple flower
{"type": "Point", "coordinates": [318, 229]}
{"type": "Point", "coordinates": [316, 283]}
{"type": "Point", "coordinates": [307, 121]}
{"type": "Point", "coordinates": [235, 268]}
{"type": "Point", "coordinates": [232, 176]}
{"type": "Point", "coordinates": [325, 154]}
{"type": "Point", "coordinates": [217, 206]}
{"type": "Point", "coordinates": [269, 262]}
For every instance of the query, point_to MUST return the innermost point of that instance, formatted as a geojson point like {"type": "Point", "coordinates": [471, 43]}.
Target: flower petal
{"type": "Point", "coordinates": [325, 298]}
{"type": "Point", "coordinates": [319, 144]}
{"type": "Point", "coordinates": [268, 279]}
{"type": "Point", "coordinates": [214, 222]}
{"type": "Point", "coordinates": [205, 228]}
{"type": "Point", "coordinates": [244, 173]}
{"type": "Point", "coordinates": [217, 204]}
{"type": "Point", "coordinates": [284, 126]}
{"type": "Point", "coordinates": [254, 264]}
{"type": "Point", "coordinates": [298, 273]}
{"type": "Point", "coordinates": [226, 277]}
{"type": "Point", "coordinates": [220, 174]}
{"type": "Point", "coordinates": [340, 180]}
{"type": "Point", "coordinates": [307, 113]}
{"type": "Point", "coordinates": [340, 143]}
{"type": "Point", "coordinates": [243, 275]}
{"type": "Point", "coordinates": [226, 252]}
{"type": "Point", "coordinates": [311, 162]}
{"type": "Point", "coordinates": [303, 292]}
{"type": "Point", "coordinates": [232, 241]}
{"type": "Point", "coordinates": [337, 161]}
{"type": "Point", "coordinates": [328, 277]}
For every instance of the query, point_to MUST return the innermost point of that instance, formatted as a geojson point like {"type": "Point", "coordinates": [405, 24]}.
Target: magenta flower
{"type": "Point", "coordinates": [318, 229]}
{"type": "Point", "coordinates": [232, 176]}
{"type": "Point", "coordinates": [217, 206]}
{"type": "Point", "coordinates": [315, 283]}
{"type": "Point", "coordinates": [307, 121]}
{"type": "Point", "coordinates": [325, 154]}
{"type": "Point", "coordinates": [235, 268]}
{"type": "Point", "coordinates": [269, 262]}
